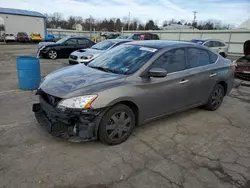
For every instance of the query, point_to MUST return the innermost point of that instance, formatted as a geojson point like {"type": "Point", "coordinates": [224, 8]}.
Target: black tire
{"type": "Point", "coordinates": [223, 54]}
{"type": "Point", "coordinates": [216, 98]}
{"type": "Point", "coordinates": [52, 54]}
{"type": "Point", "coordinates": [112, 129]}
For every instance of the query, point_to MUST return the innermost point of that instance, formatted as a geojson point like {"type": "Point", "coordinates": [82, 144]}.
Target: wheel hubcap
{"type": "Point", "coordinates": [52, 54]}
{"type": "Point", "coordinates": [118, 126]}
{"type": "Point", "coordinates": [217, 97]}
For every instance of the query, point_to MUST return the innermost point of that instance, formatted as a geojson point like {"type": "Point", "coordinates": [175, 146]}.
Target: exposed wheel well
{"type": "Point", "coordinates": [224, 84]}
{"type": "Point", "coordinates": [133, 107]}
{"type": "Point", "coordinates": [222, 54]}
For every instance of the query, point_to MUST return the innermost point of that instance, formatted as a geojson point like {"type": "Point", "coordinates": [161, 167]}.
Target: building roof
{"type": "Point", "coordinates": [20, 12]}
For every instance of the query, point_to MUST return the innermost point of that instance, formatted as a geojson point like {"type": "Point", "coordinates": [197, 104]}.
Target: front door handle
{"type": "Point", "coordinates": [183, 81]}
{"type": "Point", "coordinates": [213, 75]}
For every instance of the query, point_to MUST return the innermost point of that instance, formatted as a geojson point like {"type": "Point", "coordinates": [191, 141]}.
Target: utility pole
{"type": "Point", "coordinates": [194, 12]}
{"type": "Point", "coordinates": [128, 20]}
{"type": "Point", "coordinates": [90, 27]}
{"type": "Point", "coordinates": [194, 20]}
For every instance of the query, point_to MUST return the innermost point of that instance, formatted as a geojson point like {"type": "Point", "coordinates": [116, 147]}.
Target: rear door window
{"type": "Point", "coordinates": [155, 37]}
{"type": "Point", "coordinates": [171, 61]}
{"type": "Point", "coordinates": [221, 44]}
{"type": "Point", "coordinates": [197, 57]}
{"type": "Point", "coordinates": [71, 42]}
{"type": "Point", "coordinates": [213, 57]}
{"type": "Point", "coordinates": [216, 44]}
{"type": "Point", "coordinates": [83, 41]}
{"type": "Point", "coordinates": [147, 36]}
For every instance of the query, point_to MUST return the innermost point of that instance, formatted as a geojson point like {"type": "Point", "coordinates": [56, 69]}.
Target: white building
{"type": "Point", "coordinates": [245, 25]}
{"type": "Point", "coordinates": [178, 27]}
{"type": "Point", "coordinates": [15, 20]}
{"type": "Point", "coordinates": [77, 27]}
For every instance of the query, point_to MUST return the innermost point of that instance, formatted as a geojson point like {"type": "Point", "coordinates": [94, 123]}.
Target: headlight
{"type": "Point", "coordinates": [77, 102]}
{"type": "Point", "coordinates": [87, 57]}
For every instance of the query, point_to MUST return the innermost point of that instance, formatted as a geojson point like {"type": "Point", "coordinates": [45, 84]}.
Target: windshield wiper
{"type": "Point", "coordinates": [102, 69]}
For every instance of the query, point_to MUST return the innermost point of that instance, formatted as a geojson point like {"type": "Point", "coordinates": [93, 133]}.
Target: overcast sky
{"type": "Point", "coordinates": [228, 11]}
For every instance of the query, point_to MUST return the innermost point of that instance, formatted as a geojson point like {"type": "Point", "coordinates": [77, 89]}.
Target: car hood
{"type": "Point", "coordinates": [40, 44]}
{"type": "Point", "coordinates": [79, 80]}
{"type": "Point", "coordinates": [87, 52]}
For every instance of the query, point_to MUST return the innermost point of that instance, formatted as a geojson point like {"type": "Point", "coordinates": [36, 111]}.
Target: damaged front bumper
{"type": "Point", "coordinates": [74, 125]}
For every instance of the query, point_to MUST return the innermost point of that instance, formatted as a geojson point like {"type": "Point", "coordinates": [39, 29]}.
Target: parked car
{"type": "Point", "coordinates": [129, 85]}
{"type": "Point", "coordinates": [9, 37]}
{"type": "Point", "coordinates": [144, 36]}
{"type": "Point", "coordinates": [64, 47]}
{"type": "Point", "coordinates": [123, 37]}
{"type": "Point", "coordinates": [214, 45]}
{"type": "Point", "coordinates": [243, 63]}
{"type": "Point", "coordinates": [22, 37]}
{"type": "Point", "coordinates": [112, 35]}
{"type": "Point", "coordinates": [49, 38]}
{"type": "Point", "coordinates": [35, 37]}
{"type": "Point", "coordinates": [87, 55]}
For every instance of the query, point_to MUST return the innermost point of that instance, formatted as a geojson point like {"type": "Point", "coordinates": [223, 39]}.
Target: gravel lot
{"type": "Point", "coordinates": [192, 149]}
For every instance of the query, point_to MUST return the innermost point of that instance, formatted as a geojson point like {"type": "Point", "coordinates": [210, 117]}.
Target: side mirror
{"type": "Point", "coordinates": [157, 73]}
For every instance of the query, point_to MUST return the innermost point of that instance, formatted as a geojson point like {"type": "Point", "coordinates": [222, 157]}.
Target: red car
{"type": "Point", "coordinates": [243, 64]}
{"type": "Point", "coordinates": [144, 36]}
{"type": "Point", "coordinates": [22, 37]}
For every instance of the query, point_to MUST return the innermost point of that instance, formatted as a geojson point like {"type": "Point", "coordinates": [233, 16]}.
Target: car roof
{"type": "Point", "coordinates": [119, 40]}
{"type": "Point", "coordinates": [159, 44]}
{"type": "Point", "coordinates": [145, 33]}
{"type": "Point", "coordinates": [206, 39]}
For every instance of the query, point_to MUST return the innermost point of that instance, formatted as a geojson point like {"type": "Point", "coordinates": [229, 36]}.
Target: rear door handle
{"type": "Point", "coordinates": [213, 75]}
{"type": "Point", "coordinates": [183, 81]}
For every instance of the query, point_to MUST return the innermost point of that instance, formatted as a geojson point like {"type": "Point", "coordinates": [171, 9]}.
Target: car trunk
{"type": "Point", "coordinates": [243, 64]}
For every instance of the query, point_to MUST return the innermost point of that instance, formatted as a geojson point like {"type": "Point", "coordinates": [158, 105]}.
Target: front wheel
{"type": "Point", "coordinates": [216, 97]}
{"type": "Point", "coordinates": [52, 54]}
{"type": "Point", "coordinates": [116, 125]}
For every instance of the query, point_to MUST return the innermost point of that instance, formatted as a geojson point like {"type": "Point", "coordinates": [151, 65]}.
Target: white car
{"type": "Point", "coordinates": [214, 44]}
{"type": "Point", "coordinates": [9, 37]}
{"type": "Point", "coordinates": [87, 55]}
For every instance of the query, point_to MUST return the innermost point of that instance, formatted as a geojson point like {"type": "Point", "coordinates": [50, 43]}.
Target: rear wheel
{"type": "Point", "coordinates": [52, 54]}
{"type": "Point", "coordinates": [116, 125]}
{"type": "Point", "coordinates": [215, 98]}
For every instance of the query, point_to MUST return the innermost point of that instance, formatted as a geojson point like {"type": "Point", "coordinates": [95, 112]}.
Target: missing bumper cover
{"type": "Point", "coordinates": [62, 124]}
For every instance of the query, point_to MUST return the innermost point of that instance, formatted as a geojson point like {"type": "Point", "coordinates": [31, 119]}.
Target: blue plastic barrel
{"type": "Point", "coordinates": [28, 70]}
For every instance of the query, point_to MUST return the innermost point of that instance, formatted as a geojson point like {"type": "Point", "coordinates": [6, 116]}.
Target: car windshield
{"type": "Point", "coordinates": [62, 40]}
{"type": "Point", "coordinates": [103, 45]}
{"type": "Point", "coordinates": [22, 34]}
{"type": "Point", "coordinates": [122, 37]}
{"type": "Point", "coordinates": [124, 59]}
{"type": "Point", "coordinates": [197, 41]}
